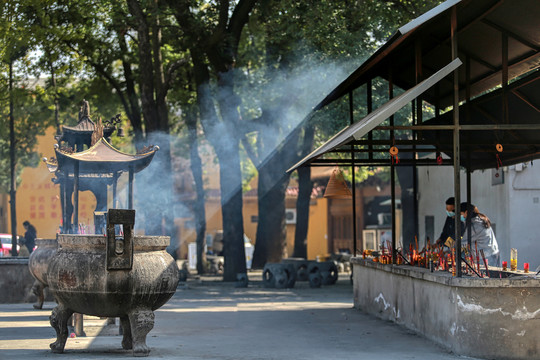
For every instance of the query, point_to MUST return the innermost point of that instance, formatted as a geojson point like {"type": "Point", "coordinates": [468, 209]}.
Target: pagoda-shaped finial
{"type": "Point", "coordinates": [84, 112]}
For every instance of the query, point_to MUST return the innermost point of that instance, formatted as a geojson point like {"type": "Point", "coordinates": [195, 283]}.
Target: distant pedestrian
{"type": "Point", "coordinates": [29, 236]}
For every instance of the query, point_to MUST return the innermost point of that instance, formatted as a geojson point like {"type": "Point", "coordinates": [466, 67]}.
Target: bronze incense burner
{"type": "Point", "coordinates": [112, 275]}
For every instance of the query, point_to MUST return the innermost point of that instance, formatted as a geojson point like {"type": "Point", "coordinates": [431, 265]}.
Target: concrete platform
{"type": "Point", "coordinates": [209, 319]}
{"type": "Point", "coordinates": [491, 318]}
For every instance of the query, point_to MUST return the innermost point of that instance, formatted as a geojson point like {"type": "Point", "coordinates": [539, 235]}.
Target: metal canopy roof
{"type": "Point", "coordinates": [357, 130]}
{"type": "Point", "coordinates": [485, 28]}
{"type": "Point", "coordinates": [86, 125]}
{"type": "Point", "coordinates": [478, 151]}
{"type": "Point", "coordinates": [486, 31]}
{"type": "Point", "coordinates": [83, 130]}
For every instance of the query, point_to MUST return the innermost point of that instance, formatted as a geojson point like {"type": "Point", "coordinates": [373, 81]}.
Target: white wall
{"type": "Point", "coordinates": [514, 206]}
{"type": "Point", "coordinates": [524, 190]}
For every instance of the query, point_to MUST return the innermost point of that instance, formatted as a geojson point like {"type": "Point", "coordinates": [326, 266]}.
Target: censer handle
{"type": "Point", "coordinates": [120, 246]}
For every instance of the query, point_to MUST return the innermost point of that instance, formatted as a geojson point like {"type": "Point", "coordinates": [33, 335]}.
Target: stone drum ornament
{"type": "Point", "coordinates": [117, 275]}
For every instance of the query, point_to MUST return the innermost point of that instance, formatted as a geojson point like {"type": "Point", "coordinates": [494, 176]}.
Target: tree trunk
{"type": "Point", "coordinates": [131, 106]}
{"type": "Point", "coordinates": [230, 174]}
{"type": "Point", "coordinates": [226, 146]}
{"type": "Point", "coordinates": [198, 208]}
{"type": "Point", "coordinates": [12, 164]}
{"type": "Point", "coordinates": [157, 189]}
{"type": "Point", "coordinates": [271, 230]}
{"type": "Point", "coordinates": [146, 68]}
{"type": "Point", "coordinates": [273, 181]}
{"type": "Point", "coordinates": [56, 102]}
{"type": "Point", "coordinates": [305, 188]}
{"type": "Point", "coordinates": [161, 90]}
{"type": "Point", "coordinates": [220, 45]}
{"type": "Point", "coordinates": [231, 209]}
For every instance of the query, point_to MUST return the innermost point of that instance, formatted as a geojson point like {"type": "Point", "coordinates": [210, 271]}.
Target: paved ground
{"type": "Point", "coordinates": [213, 320]}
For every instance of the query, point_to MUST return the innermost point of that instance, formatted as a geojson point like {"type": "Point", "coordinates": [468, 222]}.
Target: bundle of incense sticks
{"type": "Point", "coordinates": [427, 256]}
{"type": "Point", "coordinates": [470, 267]}
{"type": "Point", "coordinates": [454, 262]}
{"type": "Point", "coordinates": [403, 257]}
{"type": "Point", "coordinates": [390, 251]}
{"type": "Point", "coordinates": [463, 251]}
{"type": "Point", "coordinates": [442, 261]}
{"type": "Point", "coordinates": [471, 258]}
{"type": "Point", "coordinates": [477, 258]}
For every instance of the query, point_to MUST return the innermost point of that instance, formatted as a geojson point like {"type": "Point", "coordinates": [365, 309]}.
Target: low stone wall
{"type": "Point", "coordinates": [487, 318]}
{"type": "Point", "coordinates": [16, 281]}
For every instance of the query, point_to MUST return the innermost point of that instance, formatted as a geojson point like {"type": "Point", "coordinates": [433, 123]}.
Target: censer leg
{"type": "Point", "coordinates": [37, 289]}
{"type": "Point", "coordinates": [59, 318]}
{"type": "Point", "coordinates": [142, 321]}
{"type": "Point", "coordinates": [127, 341]}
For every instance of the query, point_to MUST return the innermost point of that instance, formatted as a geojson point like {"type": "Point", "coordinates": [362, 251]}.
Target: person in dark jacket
{"type": "Point", "coordinates": [448, 230]}
{"type": "Point", "coordinates": [29, 236]}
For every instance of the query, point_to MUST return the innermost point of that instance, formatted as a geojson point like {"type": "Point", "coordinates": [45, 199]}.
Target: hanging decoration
{"type": "Point", "coordinates": [337, 187]}
{"type": "Point", "coordinates": [499, 148]}
{"type": "Point", "coordinates": [394, 154]}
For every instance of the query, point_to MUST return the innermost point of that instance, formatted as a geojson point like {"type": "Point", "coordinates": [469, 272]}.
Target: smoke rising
{"type": "Point", "coordinates": [291, 94]}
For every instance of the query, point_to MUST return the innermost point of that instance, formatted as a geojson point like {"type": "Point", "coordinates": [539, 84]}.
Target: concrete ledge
{"type": "Point", "coordinates": [489, 318]}
{"type": "Point", "coordinates": [16, 281]}
{"type": "Point", "coordinates": [14, 261]}
{"type": "Point", "coordinates": [446, 278]}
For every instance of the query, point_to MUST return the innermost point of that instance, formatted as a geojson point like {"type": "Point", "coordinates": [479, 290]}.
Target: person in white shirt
{"type": "Point", "coordinates": [481, 233]}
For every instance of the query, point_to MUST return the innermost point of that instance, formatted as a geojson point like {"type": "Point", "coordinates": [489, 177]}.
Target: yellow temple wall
{"type": "Point", "coordinates": [317, 243]}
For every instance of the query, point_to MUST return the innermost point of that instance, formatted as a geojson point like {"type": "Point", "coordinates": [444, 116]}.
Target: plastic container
{"type": "Point", "coordinates": [513, 259]}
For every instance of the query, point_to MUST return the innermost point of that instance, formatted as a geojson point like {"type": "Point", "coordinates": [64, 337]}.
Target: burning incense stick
{"type": "Point", "coordinates": [454, 262]}
{"type": "Point", "coordinates": [470, 267]}
{"type": "Point", "coordinates": [477, 258]}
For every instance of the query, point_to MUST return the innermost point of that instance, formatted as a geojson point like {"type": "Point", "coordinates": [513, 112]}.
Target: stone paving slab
{"type": "Point", "coordinates": [214, 320]}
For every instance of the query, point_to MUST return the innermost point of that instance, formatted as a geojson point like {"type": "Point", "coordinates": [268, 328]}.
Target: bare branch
{"type": "Point", "coordinates": [100, 69]}
{"type": "Point", "coordinates": [240, 18]}
{"type": "Point", "coordinates": [171, 73]}
{"type": "Point", "coordinates": [250, 150]}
